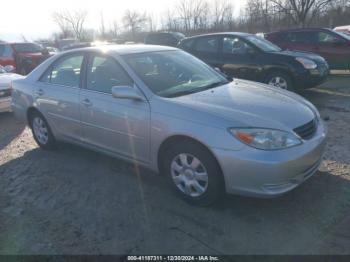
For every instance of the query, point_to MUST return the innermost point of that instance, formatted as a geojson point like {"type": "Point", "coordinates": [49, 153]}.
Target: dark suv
{"type": "Point", "coordinates": [24, 57]}
{"type": "Point", "coordinates": [333, 46]}
{"type": "Point", "coordinates": [250, 57]}
{"type": "Point", "coordinates": [162, 38]}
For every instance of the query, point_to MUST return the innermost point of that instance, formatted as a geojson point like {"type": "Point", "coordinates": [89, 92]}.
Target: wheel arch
{"type": "Point", "coordinates": [282, 69]}
{"type": "Point", "coordinates": [172, 140]}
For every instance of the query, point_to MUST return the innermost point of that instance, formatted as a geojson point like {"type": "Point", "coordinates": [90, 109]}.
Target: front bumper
{"type": "Point", "coordinates": [260, 173]}
{"type": "Point", "coordinates": [312, 78]}
{"type": "Point", "coordinates": [5, 104]}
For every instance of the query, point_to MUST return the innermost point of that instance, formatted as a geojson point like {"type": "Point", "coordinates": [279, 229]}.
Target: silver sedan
{"type": "Point", "coordinates": [164, 109]}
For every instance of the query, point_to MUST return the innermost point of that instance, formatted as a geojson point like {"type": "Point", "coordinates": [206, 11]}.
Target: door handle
{"type": "Point", "coordinates": [40, 92]}
{"type": "Point", "coordinates": [86, 102]}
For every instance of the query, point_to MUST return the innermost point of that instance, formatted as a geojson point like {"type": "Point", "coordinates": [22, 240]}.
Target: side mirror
{"type": "Point", "coordinates": [126, 92]}
{"type": "Point", "coordinates": [9, 68]}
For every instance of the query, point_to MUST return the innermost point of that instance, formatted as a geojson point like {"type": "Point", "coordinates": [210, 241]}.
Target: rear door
{"type": "Point", "coordinates": [207, 49]}
{"type": "Point", "coordinates": [116, 125]}
{"type": "Point", "coordinates": [56, 95]}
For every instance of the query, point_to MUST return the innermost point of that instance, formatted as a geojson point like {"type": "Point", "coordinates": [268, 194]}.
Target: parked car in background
{"type": "Point", "coordinates": [60, 44]}
{"type": "Point", "coordinates": [163, 108]}
{"type": "Point", "coordinates": [6, 77]}
{"type": "Point", "coordinates": [24, 57]}
{"type": "Point", "coordinates": [52, 50]}
{"type": "Point", "coordinates": [251, 57]}
{"type": "Point", "coordinates": [164, 38]}
{"type": "Point", "coordinates": [331, 45]}
{"type": "Point", "coordinates": [343, 29]}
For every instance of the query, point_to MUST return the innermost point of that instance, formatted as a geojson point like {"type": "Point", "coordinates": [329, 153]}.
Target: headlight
{"type": "Point", "coordinates": [266, 139]}
{"type": "Point", "coordinates": [307, 63]}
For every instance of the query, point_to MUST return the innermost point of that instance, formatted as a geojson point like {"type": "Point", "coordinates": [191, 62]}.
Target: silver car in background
{"type": "Point", "coordinates": [164, 109]}
{"type": "Point", "coordinates": [6, 78]}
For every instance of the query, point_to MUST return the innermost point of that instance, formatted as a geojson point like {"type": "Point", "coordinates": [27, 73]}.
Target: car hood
{"type": "Point", "coordinates": [249, 104]}
{"type": "Point", "coordinates": [7, 78]}
{"type": "Point", "coordinates": [302, 54]}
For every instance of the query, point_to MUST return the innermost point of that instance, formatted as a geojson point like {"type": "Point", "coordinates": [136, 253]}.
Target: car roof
{"type": "Point", "coordinates": [300, 30]}
{"type": "Point", "coordinates": [125, 49]}
{"type": "Point", "coordinates": [221, 33]}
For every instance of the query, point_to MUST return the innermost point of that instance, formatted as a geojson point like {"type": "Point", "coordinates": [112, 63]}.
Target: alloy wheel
{"type": "Point", "coordinates": [279, 82]}
{"type": "Point", "coordinates": [40, 130]}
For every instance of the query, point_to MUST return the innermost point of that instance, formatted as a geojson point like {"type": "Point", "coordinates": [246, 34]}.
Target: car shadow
{"type": "Point", "coordinates": [84, 202]}
{"type": "Point", "coordinates": [10, 128]}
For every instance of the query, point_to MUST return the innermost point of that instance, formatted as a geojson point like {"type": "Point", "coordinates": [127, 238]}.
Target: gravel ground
{"type": "Point", "coordinates": [74, 201]}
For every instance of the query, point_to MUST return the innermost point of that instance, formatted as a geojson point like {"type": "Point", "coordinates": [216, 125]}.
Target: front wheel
{"type": "Point", "coordinates": [41, 131]}
{"type": "Point", "coordinates": [280, 80]}
{"type": "Point", "coordinates": [194, 173]}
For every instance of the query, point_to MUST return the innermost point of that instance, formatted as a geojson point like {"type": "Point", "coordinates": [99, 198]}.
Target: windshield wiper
{"type": "Point", "coordinates": [213, 85]}
{"type": "Point", "coordinates": [199, 89]}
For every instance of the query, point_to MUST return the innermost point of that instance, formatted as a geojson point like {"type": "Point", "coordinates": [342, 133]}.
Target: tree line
{"type": "Point", "coordinates": [193, 17]}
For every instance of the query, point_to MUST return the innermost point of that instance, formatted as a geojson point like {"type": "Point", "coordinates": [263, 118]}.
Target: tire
{"type": "Point", "coordinates": [283, 77]}
{"type": "Point", "coordinates": [185, 181]}
{"type": "Point", "coordinates": [41, 131]}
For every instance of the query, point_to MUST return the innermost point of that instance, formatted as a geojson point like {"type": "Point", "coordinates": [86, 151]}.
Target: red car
{"type": "Point", "coordinates": [23, 56]}
{"type": "Point", "coordinates": [331, 45]}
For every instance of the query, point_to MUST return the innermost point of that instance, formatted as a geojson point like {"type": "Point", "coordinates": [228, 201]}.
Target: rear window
{"type": "Point", "coordinates": [27, 48]}
{"type": "Point", "coordinates": [208, 44]}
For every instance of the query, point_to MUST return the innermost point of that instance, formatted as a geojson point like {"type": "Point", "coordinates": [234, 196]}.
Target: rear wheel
{"type": "Point", "coordinates": [41, 131]}
{"type": "Point", "coordinates": [280, 80]}
{"type": "Point", "coordinates": [194, 173]}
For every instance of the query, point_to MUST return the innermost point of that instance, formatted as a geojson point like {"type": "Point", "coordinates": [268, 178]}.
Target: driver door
{"type": "Point", "coordinates": [239, 59]}
{"type": "Point", "coordinates": [120, 126]}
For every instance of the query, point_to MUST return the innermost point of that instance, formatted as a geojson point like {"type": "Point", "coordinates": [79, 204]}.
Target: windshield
{"type": "Point", "coordinates": [27, 48]}
{"type": "Point", "coordinates": [343, 34]}
{"type": "Point", "coordinates": [174, 73]}
{"type": "Point", "coordinates": [263, 44]}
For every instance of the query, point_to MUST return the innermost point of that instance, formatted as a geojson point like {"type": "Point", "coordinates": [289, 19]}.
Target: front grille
{"type": "Point", "coordinates": [308, 130]}
{"type": "Point", "coordinates": [5, 93]}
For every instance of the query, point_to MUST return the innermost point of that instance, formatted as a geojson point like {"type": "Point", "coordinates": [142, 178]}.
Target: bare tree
{"type": "Point", "coordinates": [114, 29]}
{"type": "Point", "coordinates": [193, 14]}
{"type": "Point", "coordinates": [103, 32]}
{"type": "Point", "coordinates": [62, 24]}
{"type": "Point", "coordinates": [302, 12]}
{"type": "Point", "coordinates": [73, 20]}
{"type": "Point", "coordinates": [134, 21]}
{"type": "Point", "coordinates": [151, 22]}
{"type": "Point", "coordinates": [222, 14]}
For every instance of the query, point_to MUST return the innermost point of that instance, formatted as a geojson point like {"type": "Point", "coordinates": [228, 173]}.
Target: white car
{"type": "Point", "coordinates": [5, 87]}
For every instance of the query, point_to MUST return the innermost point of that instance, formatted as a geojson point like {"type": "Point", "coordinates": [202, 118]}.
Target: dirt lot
{"type": "Point", "coordinates": [73, 201]}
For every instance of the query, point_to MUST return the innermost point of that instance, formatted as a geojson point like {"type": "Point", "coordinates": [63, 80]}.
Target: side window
{"type": "Point", "coordinates": [324, 37]}
{"type": "Point", "coordinates": [301, 37]}
{"type": "Point", "coordinates": [65, 72]}
{"type": "Point", "coordinates": [2, 50]}
{"type": "Point", "coordinates": [103, 73]}
{"type": "Point", "coordinates": [207, 44]}
{"type": "Point", "coordinates": [5, 51]}
{"type": "Point", "coordinates": [236, 46]}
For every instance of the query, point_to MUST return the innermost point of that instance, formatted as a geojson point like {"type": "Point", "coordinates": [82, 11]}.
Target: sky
{"type": "Point", "coordinates": [33, 19]}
